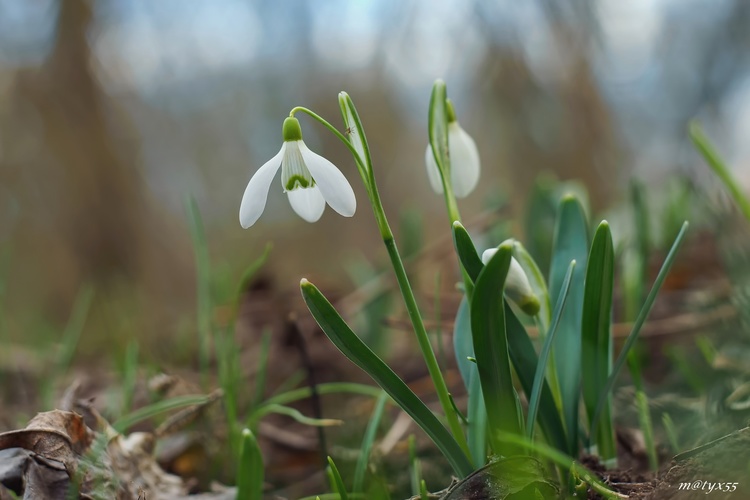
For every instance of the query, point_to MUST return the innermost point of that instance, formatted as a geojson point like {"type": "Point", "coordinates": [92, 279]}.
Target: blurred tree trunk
{"type": "Point", "coordinates": [100, 204]}
{"type": "Point", "coordinates": [85, 212]}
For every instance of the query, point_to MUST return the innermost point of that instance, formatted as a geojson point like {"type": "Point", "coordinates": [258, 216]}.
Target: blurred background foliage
{"type": "Point", "coordinates": [112, 112]}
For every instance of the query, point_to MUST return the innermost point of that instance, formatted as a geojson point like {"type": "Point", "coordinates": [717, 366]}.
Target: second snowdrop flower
{"type": "Point", "coordinates": [307, 178]}
{"type": "Point", "coordinates": [464, 159]}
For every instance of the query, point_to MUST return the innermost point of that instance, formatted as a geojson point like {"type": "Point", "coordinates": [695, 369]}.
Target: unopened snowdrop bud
{"type": "Point", "coordinates": [517, 286]}
{"type": "Point", "coordinates": [464, 159]}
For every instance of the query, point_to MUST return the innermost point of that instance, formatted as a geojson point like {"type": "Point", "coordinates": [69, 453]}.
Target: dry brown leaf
{"type": "Point", "coordinates": [55, 435]}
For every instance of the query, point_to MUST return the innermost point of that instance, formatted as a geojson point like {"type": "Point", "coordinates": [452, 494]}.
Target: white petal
{"type": "Point", "coordinates": [464, 160]}
{"type": "Point", "coordinates": [433, 173]}
{"type": "Point", "coordinates": [307, 202]}
{"type": "Point", "coordinates": [332, 184]}
{"type": "Point", "coordinates": [256, 192]}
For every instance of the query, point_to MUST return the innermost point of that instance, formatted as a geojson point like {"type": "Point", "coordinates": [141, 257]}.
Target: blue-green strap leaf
{"type": "Point", "coordinates": [491, 349]}
{"type": "Point", "coordinates": [541, 367]}
{"type": "Point", "coordinates": [642, 316]}
{"type": "Point", "coordinates": [570, 243]}
{"type": "Point", "coordinates": [467, 252]}
{"type": "Point", "coordinates": [596, 337]}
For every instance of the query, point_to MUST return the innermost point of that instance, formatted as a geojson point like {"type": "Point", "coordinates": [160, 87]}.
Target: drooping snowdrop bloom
{"type": "Point", "coordinates": [517, 286]}
{"type": "Point", "coordinates": [464, 159]}
{"type": "Point", "coordinates": [307, 178]}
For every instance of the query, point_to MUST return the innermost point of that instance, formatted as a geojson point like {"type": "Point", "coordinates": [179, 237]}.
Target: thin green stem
{"type": "Point", "coordinates": [364, 166]}
{"type": "Point", "coordinates": [365, 169]}
{"type": "Point", "coordinates": [424, 344]}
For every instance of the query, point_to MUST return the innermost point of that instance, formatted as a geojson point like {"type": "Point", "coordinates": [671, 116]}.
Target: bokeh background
{"type": "Point", "coordinates": [114, 112]}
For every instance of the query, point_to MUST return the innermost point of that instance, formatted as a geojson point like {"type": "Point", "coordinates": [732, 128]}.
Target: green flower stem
{"type": "Point", "coordinates": [366, 172]}
{"type": "Point", "coordinates": [424, 345]}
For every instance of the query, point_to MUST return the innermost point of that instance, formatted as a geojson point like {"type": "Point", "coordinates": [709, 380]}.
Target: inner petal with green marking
{"type": "Point", "coordinates": [294, 173]}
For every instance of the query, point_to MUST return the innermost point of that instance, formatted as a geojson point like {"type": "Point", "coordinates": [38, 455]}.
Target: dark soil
{"type": "Point", "coordinates": [720, 469]}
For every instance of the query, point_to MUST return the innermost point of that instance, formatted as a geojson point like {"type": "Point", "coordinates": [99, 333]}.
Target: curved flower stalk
{"type": "Point", "coordinates": [464, 159]}
{"type": "Point", "coordinates": [517, 286]}
{"type": "Point", "coordinates": [307, 178]}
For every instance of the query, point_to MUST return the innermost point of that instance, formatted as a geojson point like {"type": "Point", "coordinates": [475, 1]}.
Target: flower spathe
{"type": "Point", "coordinates": [517, 286]}
{"type": "Point", "coordinates": [307, 178]}
{"type": "Point", "coordinates": [464, 159]}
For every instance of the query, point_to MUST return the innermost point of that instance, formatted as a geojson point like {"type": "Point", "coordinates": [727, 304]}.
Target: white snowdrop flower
{"type": "Point", "coordinates": [464, 159]}
{"type": "Point", "coordinates": [307, 178]}
{"type": "Point", "coordinates": [517, 286]}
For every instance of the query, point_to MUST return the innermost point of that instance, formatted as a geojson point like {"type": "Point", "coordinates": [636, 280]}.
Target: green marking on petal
{"type": "Point", "coordinates": [297, 181]}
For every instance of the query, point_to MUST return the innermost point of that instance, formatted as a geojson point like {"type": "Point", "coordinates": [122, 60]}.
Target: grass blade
{"type": "Point", "coordinates": [71, 336]}
{"type": "Point", "coordinates": [415, 467]}
{"type": "Point", "coordinates": [300, 417]}
{"type": "Point", "coordinates": [541, 366]}
{"type": "Point", "coordinates": [367, 441]}
{"type": "Point", "coordinates": [246, 279]}
{"type": "Point", "coordinates": [353, 348]}
{"type": "Point", "coordinates": [260, 375]}
{"type": "Point", "coordinates": [250, 470]}
{"type": "Point", "coordinates": [671, 431]}
{"type": "Point", "coordinates": [566, 463]}
{"type": "Point", "coordinates": [203, 285]}
{"type": "Point", "coordinates": [596, 338]}
{"type": "Point", "coordinates": [491, 349]}
{"type": "Point", "coordinates": [337, 481]}
{"type": "Point", "coordinates": [570, 243]}
{"type": "Point", "coordinates": [125, 422]}
{"type": "Point", "coordinates": [703, 145]}
{"type": "Point", "coordinates": [642, 316]}
{"type": "Point", "coordinates": [524, 358]}
{"type": "Point", "coordinates": [647, 427]}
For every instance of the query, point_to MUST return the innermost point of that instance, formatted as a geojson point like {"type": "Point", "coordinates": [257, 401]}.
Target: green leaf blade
{"type": "Point", "coordinates": [524, 358]}
{"type": "Point", "coordinates": [642, 316]}
{"type": "Point", "coordinates": [467, 252]}
{"type": "Point", "coordinates": [463, 347]}
{"type": "Point", "coordinates": [596, 338]}
{"type": "Point", "coordinates": [353, 348]}
{"type": "Point", "coordinates": [704, 146]}
{"type": "Point", "coordinates": [491, 349]}
{"type": "Point", "coordinates": [250, 469]}
{"type": "Point", "coordinates": [570, 243]}
{"type": "Point", "coordinates": [544, 355]}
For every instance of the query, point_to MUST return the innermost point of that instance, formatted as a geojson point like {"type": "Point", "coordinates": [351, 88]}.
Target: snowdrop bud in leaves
{"type": "Point", "coordinates": [464, 159]}
{"type": "Point", "coordinates": [307, 178]}
{"type": "Point", "coordinates": [517, 286]}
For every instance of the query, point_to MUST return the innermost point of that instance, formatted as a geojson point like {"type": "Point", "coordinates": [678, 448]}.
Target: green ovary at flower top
{"type": "Point", "coordinates": [307, 178]}
{"type": "Point", "coordinates": [464, 159]}
{"type": "Point", "coordinates": [517, 286]}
